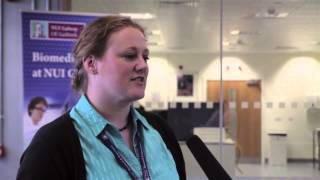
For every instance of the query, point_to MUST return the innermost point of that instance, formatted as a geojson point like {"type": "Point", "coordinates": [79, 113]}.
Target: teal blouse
{"type": "Point", "coordinates": [99, 160]}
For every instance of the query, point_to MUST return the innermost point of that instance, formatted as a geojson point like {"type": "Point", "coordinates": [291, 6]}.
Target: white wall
{"type": "Point", "coordinates": [13, 84]}
{"type": "Point", "coordinates": [12, 88]}
{"type": "Point", "coordinates": [286, 78]}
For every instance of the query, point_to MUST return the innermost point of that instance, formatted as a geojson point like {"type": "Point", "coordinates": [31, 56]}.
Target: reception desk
{"type": "Point", "coordinates": [194, 170]}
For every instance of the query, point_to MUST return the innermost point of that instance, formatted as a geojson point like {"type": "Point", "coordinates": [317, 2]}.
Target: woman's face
{"type": "Point", "coordinates": [122, 71]}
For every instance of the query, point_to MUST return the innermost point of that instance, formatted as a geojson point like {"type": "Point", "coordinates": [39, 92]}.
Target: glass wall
{"type": "Point", "coordinates": [270, 103]}
{"type": "Point", "coordinates": [271, 85]}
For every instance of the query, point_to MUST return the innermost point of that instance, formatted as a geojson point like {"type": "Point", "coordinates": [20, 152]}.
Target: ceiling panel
{"type": "Point", "coordinates": [193, 25]}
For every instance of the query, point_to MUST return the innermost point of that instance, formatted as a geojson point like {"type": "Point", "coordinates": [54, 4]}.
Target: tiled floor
{"type": "Point", "coordinates": [293, 171]}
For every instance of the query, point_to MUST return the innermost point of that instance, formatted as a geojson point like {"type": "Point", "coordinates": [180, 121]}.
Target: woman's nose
{"type": "Point", "coordinates": [141, 64]}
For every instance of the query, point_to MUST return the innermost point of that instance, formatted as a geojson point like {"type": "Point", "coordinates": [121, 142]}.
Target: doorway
{"type": "Point", "coordinates": [242, 115]}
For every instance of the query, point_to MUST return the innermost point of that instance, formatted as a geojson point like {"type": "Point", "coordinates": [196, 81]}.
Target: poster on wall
{"type": "Point", "coordinates": [185, 85]}
{"type": "Point", "coordinates": [48, 40]}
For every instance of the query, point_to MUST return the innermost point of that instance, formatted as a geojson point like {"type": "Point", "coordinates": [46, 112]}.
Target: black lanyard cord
{"type": "Point", "coordinates": [103, 137]}
{"type": "Point", "coordinates": [143, 162]}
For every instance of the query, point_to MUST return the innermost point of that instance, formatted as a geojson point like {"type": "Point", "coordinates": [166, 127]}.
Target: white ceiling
{"type": "Point", "coordinates": [194, 25]}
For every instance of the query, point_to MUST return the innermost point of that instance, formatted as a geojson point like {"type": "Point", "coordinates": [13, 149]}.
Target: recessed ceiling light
{"type": "Point", "coordinates": [235, 32]}
{"type": "Point", "coordinates": [226, 43]}
{"type": "Point", "coordinates": [153, 43]}
{"type": "Point", "coordinates": [286, 48]}
{"type": "Point", "coordinates": [271, 12]}
{"type": "Point", "coordinates": [282, 15]}
{"type": "Point", "coordinates": [139, 15]}
{"type": "Point", "coordinates": [267, 15]}
{"type": "Point", "coordinates": [155, 32]}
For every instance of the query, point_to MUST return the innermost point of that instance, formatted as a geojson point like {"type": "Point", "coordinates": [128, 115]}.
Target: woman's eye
{"type": "Point", "coordinates": [134, 55]}
{"type": "Point", "coordinates": [130, 56]}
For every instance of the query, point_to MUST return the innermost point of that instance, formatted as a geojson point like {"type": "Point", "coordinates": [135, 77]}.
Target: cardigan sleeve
{"type": "Point", "coordinates": [37, 162]}
{"type": "Point", "coordinates": [54, 153]}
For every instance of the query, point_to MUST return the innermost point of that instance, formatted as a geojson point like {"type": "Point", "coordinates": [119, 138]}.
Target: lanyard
{"type": "Point", "coordinates": [121, 160]}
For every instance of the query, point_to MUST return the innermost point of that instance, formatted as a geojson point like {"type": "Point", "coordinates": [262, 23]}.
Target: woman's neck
{"type": "Point", "coordinates": [116, 112]}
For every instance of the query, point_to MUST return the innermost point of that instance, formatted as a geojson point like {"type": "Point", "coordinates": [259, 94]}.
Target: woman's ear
{"type": "Point", "coordinates": [90, 65]}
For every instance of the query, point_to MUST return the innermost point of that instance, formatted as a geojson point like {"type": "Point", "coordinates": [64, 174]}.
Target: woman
{"type": "Point", "coordinates": [36, 109]}
{"type": "Point", "coordinates": [103, 137]}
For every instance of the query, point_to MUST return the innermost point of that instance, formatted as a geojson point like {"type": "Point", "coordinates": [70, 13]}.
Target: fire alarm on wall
{"type": "Point", "coordinates": [13, 0]}
{"type": "Point", "coordinates": [1, 150]}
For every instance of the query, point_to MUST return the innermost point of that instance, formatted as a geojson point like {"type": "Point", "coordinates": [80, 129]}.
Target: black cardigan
{"type": "Point", "coordinates": [55, 152]}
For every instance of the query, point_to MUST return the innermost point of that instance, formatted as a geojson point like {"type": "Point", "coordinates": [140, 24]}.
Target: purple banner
{"type": "Point", "coordinates": [48, 40]}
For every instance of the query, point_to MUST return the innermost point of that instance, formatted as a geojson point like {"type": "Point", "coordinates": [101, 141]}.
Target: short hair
{"type": "Point", "coordinates": [34, 101]}
{"type": "Point", "coordinates": [93, 41]}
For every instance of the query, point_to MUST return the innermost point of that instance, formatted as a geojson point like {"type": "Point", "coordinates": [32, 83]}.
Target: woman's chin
{"type": "Point", "coordinates": [136, 96]}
